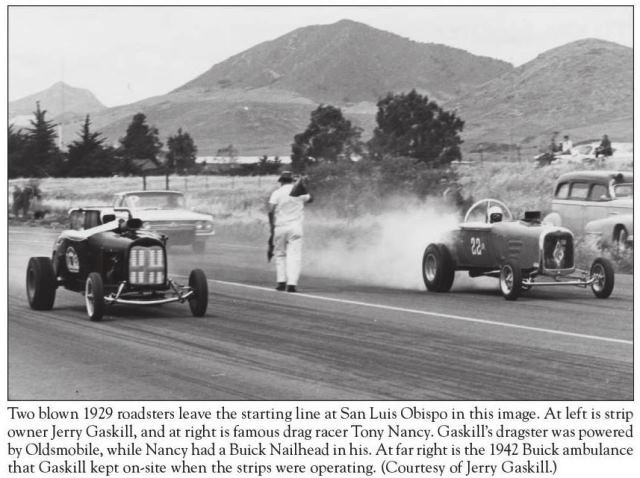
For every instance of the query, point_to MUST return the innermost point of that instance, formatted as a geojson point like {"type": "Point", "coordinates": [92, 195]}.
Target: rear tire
{"type": "Point", "coordinates": [438, 270]}
{"type": "Point", "coordinates": [510, 280]}
{"type": "Point", "coordinates": [94, 296]}
{"type": "Point", "coordinates": [620, 239]}
{"type": "Point", "coordinates": [41, 283]}
{"type": "Point", "coordinates": [199, 301]}
{"type": "Point", "coordinates": [602, 270]}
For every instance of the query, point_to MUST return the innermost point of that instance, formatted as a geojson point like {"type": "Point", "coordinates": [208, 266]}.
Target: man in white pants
{"type": "Point", "coordinates": [286, 212]}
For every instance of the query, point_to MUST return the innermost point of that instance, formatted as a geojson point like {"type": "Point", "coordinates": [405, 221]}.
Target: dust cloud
{"type": "Point", "coordinates": [384, 249]}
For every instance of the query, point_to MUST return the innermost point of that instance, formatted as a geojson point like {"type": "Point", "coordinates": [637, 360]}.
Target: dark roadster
{"type": "Point", "coordinates": [520, 253]}
{"type": "Point", "coordinates": [111, 261]}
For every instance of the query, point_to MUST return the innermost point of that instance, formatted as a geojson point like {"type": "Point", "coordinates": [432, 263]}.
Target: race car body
{"type": "Point", "coordinates": [113, 262]}
{"type": "Point", "coordinates": [520, 253]}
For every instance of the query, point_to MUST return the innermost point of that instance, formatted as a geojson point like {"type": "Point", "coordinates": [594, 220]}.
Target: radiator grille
{"type": "Point", "coordinates": [146, 265]}
{"type": "Point", "coordinates": [558, 251]}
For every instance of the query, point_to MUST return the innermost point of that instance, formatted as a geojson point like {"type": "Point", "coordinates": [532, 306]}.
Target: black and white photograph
{"type": "Point", "coordinates": [320, 203]}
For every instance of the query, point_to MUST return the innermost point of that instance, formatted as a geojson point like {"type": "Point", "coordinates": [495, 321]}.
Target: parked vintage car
{"type": "Point", "coordinates": [166, 212]}
{"type": "Point", "coordinates": [111, 261]}
{"type": "Point", "coordinates": [597, 203]}
{"type": "Point", "coordinates": [520, 253]}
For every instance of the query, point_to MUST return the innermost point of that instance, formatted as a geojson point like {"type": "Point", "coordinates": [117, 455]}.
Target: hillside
{"type": "Point", "coordinates": [259, 99]}
{"type": "Point", "coordinates": [584, 88]}
{"type": "Point", "coordinates": [349, 62]}
{"type": "Point", "coordinates": [58, 99]}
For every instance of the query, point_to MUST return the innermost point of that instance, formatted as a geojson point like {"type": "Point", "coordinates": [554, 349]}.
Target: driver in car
{"type": "Point", "coordinates": [495, 214]}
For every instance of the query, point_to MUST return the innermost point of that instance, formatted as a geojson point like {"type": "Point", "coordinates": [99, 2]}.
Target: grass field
{"type": "Point", "coordinates": [238, 205]}
{"type": "Point", "coordinates": [236, 198]}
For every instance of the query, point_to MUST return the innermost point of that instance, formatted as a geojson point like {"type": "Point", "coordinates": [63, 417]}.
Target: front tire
{"type": "Point", "coordinates": [602, 272]}
{"type": "Point", "coordinates": [41, 283]}
{"type": "Point", "coordinates": [510, 280]}
{"type": "Point", "coordinates": [94, 296]}
{"type": "Point", "coordinates": [200, 299]}
{"type": "Point", "coordinates": [438, 270]}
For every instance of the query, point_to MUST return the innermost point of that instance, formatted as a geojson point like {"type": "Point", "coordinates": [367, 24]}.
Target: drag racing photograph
{"type": "Point", "coordinates": [320, 203]}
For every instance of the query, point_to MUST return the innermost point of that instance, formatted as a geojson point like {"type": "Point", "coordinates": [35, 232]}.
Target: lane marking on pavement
{"type": "Point", "coordinates": [432, 314]}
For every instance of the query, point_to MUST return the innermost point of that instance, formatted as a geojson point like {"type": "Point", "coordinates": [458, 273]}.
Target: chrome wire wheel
{"type": "Point", "coordinates": [510, 280]}
{"type": "Point", "coordinates": [89, 298]}
{"type": "Point", "coordinates": [603, 277]}
{"type": "Point", "coordinates": [506, 279]}
{"type": "Point", "coordinates": [430, 267]}
{"type": "Point", "coordinates": [94, 296]}
{"type": "Point", "coordinates": [598, 275]}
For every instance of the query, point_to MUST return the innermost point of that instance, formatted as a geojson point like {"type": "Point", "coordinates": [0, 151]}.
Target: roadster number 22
{"type": "Point", "coordinates": [521, 254]}
{"type": "Point", "coordinates": [112, 262]}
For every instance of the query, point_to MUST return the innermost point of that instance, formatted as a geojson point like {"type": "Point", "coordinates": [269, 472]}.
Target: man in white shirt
{"type": "Point", "coordinates": [286, 212]}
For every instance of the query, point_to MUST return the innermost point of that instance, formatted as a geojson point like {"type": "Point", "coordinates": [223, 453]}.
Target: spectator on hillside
{"type": "Point", "coordinates": [554, 147]}
{"type": "Point", "coordinates": [567, 145]}
{"type": "Point", "coordinates": [605, 147]}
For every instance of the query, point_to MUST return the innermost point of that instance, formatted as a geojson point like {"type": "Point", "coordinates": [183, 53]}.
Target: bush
{"type": "Point", "coordinates": [353, 188]}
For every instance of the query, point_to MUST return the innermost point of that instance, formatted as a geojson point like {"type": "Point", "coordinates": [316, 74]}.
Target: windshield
{"type": "Point", "coordinates": [155, 201]}
{"type": "Point", "coordinates": [623, 190]}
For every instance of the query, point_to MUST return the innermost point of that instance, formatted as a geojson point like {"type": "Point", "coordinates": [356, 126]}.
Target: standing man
{"type": "Point", "coordinates": [286, 212]}
{"type": "Point", "coordinates": [567, 145]}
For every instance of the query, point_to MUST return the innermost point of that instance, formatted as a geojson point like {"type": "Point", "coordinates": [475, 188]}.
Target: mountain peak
{"type": "Point", "coordinates": [581, 84]}
{"type": "Point", "coordinates": [59, 98]}
{"type": "Point", "coordinates": [347, 62]}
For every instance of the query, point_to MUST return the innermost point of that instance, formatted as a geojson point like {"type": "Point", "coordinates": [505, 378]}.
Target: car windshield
{"type": "Point", "coordinates": [624, 190]}
{"type": "Point", "coordinates": [155, 201]}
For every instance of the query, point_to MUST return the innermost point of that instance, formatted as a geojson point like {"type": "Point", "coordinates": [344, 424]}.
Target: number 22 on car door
{"type": "Point", "coordinates": [476, 247]}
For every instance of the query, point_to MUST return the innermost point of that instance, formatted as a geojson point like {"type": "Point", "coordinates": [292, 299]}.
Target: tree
{"type": "Point", "coordinates": [230, 152]}
{"type": "Point", "coordinates": [266, 166]}
{"type": "Point", "coordinates": [41, 154]}
{"type": "Point", "coordinates": [328, 137]}
{"type": "Point", "coordinates": [410, 125]}
{"type": "Point", "coordinates": [182, 152]}
{"type": "Point", "coordinates": [16, 144]}
{"type": "Point", "coordinates": [88, 156]}
{"type": "Point", "coordinates": [140, 142]}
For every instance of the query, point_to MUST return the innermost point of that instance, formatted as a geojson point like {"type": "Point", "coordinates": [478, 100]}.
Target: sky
{"type": "Point", "coordinates": [125, 54]}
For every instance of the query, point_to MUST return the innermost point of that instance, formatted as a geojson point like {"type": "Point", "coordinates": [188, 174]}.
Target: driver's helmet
{"type": "Point", "coordinates": [495, 214]}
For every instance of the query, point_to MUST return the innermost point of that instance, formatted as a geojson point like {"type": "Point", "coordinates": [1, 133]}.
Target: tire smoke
{"type": "Point", "coordinates": [384, 249]}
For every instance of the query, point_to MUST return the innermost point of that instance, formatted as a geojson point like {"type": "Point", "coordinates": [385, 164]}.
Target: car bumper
{"type": "Point", "coordinates": [204, 235]}
{"type": "Point", "coordinates": [182, 236]}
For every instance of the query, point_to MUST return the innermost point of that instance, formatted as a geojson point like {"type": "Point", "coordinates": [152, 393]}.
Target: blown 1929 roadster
{"type": "Point", "coordinates": [111, 261]}
{"type": "Point", "coordinates": [521, 253]}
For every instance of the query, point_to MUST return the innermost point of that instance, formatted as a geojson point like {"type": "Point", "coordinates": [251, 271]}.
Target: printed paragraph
{"type": "Point", "coordinates": [314, 439]}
